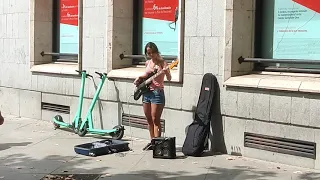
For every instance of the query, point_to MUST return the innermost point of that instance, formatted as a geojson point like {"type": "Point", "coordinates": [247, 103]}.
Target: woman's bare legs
{"type": "Point", "coordinates": [147, 113]}
{"type": "Point", "coordinates": [156, 112]}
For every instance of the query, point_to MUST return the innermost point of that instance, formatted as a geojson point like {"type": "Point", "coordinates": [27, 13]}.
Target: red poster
{"type": "Point", "coordinates": [69, 12]}
{"type": "Point", "coordinates": [160, 9]}
{"type": "Point", "coordinates": [311, 4]}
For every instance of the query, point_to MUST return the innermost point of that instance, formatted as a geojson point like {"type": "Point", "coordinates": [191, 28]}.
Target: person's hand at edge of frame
{"type": "Point", "coordinates": [1, 119]}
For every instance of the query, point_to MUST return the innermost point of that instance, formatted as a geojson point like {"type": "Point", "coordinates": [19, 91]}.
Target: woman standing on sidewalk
{"type": "Point", "coordinates": [1, 119]}
{"type": "Point", "coordinates": [154, 101]}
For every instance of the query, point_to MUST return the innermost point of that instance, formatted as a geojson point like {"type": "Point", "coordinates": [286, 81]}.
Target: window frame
{"type": "Point", "coordinates": [275, 66]}
{"type": "Point", "coordinates": [56, 36]}
{"type": "Point", "coordinates": [138, 32]}
{"type": "Point", "coordinates": [133, 61]}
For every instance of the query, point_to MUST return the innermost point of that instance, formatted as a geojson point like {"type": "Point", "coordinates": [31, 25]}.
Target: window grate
{"type": "Point", "coordinates": [280, 145]}
{"type": "Point", "coordinates": [55, 108]}
{"type": "Point", "coordinates": [139, 121]}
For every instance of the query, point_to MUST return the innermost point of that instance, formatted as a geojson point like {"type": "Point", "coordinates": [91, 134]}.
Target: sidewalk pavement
{"type": "Point", "coordinates": [31, 149]}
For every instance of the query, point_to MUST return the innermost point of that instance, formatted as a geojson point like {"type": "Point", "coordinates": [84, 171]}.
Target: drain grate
{"type": "Point", "coordinates": [72, 177]}
{"type": "Point", "coordinates": [280, 145]}
{"type": "Point", "coordinates": [139, 121]}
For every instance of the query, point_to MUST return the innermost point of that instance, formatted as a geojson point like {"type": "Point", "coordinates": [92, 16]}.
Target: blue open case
{"type": "Point", "coordinates": [99, 148]}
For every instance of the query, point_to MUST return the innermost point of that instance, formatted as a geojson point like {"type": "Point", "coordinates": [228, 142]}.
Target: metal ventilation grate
{"type": "Point", "coordinates": [280, 145]}
{"type": "Point", "coordinates": [55, 108]}
{"type": "Point", "coordinates": [139, 121]}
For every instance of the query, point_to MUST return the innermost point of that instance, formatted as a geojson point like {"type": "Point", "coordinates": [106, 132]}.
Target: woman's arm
{"type": "Point", "coordinates": [167, 71]}
{"type": "Point", "coordinates": [143, 76]}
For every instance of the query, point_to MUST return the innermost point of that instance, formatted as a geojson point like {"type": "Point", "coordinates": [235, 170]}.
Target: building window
{"type": "Point", "coordinates": [287, 30]}
{"type": "Point", "coordinates": [156, 21]}
{"type": "Point", "coordinates": [137, 23]}
{"type": "Point", "coordinates": [65, 30]}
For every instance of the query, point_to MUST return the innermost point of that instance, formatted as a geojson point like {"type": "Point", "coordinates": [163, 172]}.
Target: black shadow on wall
{"type": "Point", "coordinates": [217, 135]}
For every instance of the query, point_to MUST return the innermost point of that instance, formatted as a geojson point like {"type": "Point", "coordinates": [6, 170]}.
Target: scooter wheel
{"type": "Point", "coordinates": [58, 118]}
{"type": "Point", "coordinates": [84, 131]}
{"type": "Point", "coordinates": [74, 128]}
{"type": "Point", "coordinates": [118, 134]}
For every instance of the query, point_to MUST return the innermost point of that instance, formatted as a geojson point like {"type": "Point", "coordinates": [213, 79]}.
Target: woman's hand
{"type": "Point", "coordinates": [136, 81]}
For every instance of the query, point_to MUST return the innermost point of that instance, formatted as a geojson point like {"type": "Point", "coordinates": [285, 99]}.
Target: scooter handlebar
{"type": "Point", "coordinates": [80, 71]}
{"type": "Point", "coordinates": [87, 75]}
{"type": "Point", "coordinates": [100, 74]}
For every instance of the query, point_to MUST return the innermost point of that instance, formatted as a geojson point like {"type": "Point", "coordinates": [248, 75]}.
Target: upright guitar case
{"type": "Point", "coordinates": [199, 129]}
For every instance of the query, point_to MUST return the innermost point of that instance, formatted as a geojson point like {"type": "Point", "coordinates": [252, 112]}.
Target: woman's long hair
{"type": "Point", "coordinates": [153, 48]}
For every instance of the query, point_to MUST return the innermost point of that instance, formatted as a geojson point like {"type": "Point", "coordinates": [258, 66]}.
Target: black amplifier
{"type": "Point", "coordinates": [164, 147]}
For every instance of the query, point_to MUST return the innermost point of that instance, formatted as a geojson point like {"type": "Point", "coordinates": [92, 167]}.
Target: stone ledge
{"type": "Point", "coordinates": [56, 68]}
{"type": "Point", "coordinates": [277, 81]}
{"type": "Point", "coordinates": [133, 72]}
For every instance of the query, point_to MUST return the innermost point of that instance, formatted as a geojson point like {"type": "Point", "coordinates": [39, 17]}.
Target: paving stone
{"type": "Point", "coordinates": [53, 153]}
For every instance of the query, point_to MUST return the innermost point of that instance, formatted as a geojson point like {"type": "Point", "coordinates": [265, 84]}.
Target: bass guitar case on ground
{"type": "Point", "coordinates": [199, 129]}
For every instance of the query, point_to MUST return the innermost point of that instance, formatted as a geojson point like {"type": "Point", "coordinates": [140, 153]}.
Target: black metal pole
{"type": "Point", "coordinates": [57, 54]}
{"type": "Point", "coordinates": [286, 61]}
{"type": "Point", "coordinates": [296, 70]}
{"type": "Point", "coordinates": [165, 57]}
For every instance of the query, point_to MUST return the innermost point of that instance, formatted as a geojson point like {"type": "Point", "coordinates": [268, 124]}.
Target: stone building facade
{"type": "Point", "coordinates": [213, 35]}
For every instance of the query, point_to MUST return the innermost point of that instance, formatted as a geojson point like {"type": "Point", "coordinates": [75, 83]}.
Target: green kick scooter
{"type": "Point", "coordinates": [86, 126]}
{"type": "Point", "coordinates": [58, 120]}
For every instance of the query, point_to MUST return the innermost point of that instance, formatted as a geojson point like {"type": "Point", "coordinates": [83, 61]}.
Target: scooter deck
{"type": "Point", "coordinates": [101, 131]}
{"type": "Point", "coordinates": [63, 124]}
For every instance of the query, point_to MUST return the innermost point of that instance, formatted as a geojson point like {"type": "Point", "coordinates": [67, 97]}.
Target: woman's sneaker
{"type": "Point", "coordinates": [149, 146]}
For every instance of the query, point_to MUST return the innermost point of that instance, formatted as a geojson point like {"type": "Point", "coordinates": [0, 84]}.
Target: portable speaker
{"type": "Point", "coordinates": [164, 147]}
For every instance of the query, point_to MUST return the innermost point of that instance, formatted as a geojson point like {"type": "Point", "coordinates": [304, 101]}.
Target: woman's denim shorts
{"type": "Point", "coordinates": [154, 97]}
